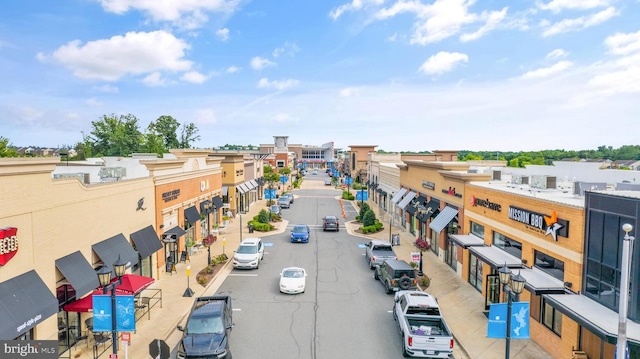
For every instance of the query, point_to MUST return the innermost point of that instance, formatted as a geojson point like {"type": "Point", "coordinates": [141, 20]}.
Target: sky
{"type": "Point", "coordinates": [403, 75]}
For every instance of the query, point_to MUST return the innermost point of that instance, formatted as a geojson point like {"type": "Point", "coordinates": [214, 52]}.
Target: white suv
{"type": "Point", "coordinates": [249, 254]}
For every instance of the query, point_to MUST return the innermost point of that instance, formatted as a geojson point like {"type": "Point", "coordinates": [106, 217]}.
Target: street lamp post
{"type": "Point", "coordinates": [512, 285]}
{"type": "Point", "coordinates": [104, 276]}
{"type": "Point", "coordinates": [424, 211]}
{"type": "Point", "coordinates": [627, 249]}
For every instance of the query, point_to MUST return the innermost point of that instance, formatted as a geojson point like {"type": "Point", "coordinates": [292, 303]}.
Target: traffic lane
{"type": "Point", "coordinates": [353, 313]}
{"type": "Point", "coordinates": [312, 207]}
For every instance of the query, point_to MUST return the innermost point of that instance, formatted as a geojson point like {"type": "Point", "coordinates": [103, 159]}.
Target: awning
{"type": "Point", "coordinates": [78, 272]}
{"type": "Point", "coordinates": [132, 284]}
{"type": "Point", "coordinates": [24, 302]}
{"type": "Point", "coordinates": [225, 190]}
{"type": "Point", "coordinates": [217, 202]}
{"type": "Point", "coordinates": [434, 204]}
{"type": "Point", "coordinates": [241, 188]}
{"type": "Point", "coordinates": [249, 185]}
{"type": "Point", "coordinates": [495, 256]}
{"type": "Point", "coordinates": [172, 234]}
{"type": "Point", "coordinates": [192, 215]}
{"type": "Point", "coordinates": [109, 249]}
{"type": "Point", "coordinates": [405, 201]}
{"type": "Point", "coordinates": [539, 282]}
{"type": "Point", "coordinates": [466, 240]}
{"type": "Point", "coordinates": [81, 305]}
{"type": "Point", "coordinates": [254, 183]}
{"type": "Point", "coordinates": [421, 199]}
{"type": "Point", "coordinates": [442, 220]}
{"type": "Point", "coordinates": [398, 195]}
{"type": "Point", "coordinates": [595, 317]}
{"type": "Point", "coordinates": [411, 208]}
{"type": "Point", "coordinates": [146, 241]}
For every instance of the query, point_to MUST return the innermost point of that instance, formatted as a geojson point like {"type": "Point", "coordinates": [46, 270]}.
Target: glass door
{"type": "Point", "coordinates": [492, 292]}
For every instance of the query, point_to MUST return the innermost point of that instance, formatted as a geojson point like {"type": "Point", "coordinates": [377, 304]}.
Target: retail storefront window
{"type": "Point", "coordinates": [551, 318]}
{"type": "Point", "coordinates": [507, 244]}
{"type": "Point", "coordinates": [450, 255]}
{"type": "Point", "coordinates": [475, 272]}
{"type": "Point", "coordinates": [549, 265]}
{"type": "Point", "coordinates": [477, 229]}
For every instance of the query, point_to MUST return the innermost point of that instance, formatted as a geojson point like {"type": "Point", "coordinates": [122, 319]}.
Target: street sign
{"type": "Point", "coordinates": [415, 257]}
{"type": "Point", "coordinates": [348, 180]}
{"type": "Point", "coordinates": [284, 179]}
{"type": "Point", "coordinates": [158, 349]}
{"type": "Point", "coordinates": [362, 195]}
{"type": "Point", "coordinates": [113, 356]}
{"type": "Point", "coordinates": [126, 337]}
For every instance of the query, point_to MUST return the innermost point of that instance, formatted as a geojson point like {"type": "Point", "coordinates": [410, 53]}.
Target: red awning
{"type": "Point", "coordinates": [132, 284]}
{"type": "Point", "coordinates": [81, 305]}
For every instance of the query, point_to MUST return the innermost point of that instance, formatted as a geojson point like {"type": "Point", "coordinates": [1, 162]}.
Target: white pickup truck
{"type": "Point", "coordinates": [423, 329]}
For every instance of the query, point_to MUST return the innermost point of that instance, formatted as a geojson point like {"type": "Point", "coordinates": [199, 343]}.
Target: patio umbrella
{"type": "Point", "coordinates": [81, 305]}
{"type": "Point", "coordinates": [132, 284]}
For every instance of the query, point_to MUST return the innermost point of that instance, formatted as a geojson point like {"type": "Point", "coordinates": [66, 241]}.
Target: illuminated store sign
{"type": "Point", "coordinates": [545, 225]}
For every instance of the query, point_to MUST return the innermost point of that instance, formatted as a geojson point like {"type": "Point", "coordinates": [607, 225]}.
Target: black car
{"type": "Point", "coordinates": [330, 223]}
{"type": "Point", "coordinates": [206, 334]}
{"type": "Point", "coordinates": [396, 275]}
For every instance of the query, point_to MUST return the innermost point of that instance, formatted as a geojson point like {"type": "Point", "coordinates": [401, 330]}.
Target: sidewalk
{"type": "Point", "coordinates": [461, 304]}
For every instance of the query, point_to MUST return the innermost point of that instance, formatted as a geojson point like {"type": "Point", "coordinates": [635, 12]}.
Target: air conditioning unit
{"type": "Point", "coordinates": [580, 187]}
{"type": "Point", "coordinates": [497, 176]}
{"type": "Point", "coordinates": [543, 182]}
{"type": "Point", "coordinates": [520, 179]}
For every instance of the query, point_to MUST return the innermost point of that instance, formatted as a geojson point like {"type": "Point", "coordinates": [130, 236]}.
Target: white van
{"type": "Point", "coordinates": [249, 254]}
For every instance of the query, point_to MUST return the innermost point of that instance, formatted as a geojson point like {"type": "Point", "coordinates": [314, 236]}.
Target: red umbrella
{"type": "Point", "coordinates": [132, 284]}
{"type": "Point", "coordinates": [81, 305]}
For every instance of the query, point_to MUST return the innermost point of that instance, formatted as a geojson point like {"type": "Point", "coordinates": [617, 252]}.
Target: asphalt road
{"type": "Point", "coordinates": [344, 312]}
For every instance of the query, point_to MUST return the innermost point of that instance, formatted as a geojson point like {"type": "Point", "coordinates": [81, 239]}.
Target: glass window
{"type": "Point", "coordinates": [551, 318]}
{"type": "Point", "coordinates": [477, 229]}
{"type": "Point", "coordinates": [507, 244]}
{"type": "Point", "coordinates": [549, 265]}
{"type": "Point", "coordinates": [475, 272]}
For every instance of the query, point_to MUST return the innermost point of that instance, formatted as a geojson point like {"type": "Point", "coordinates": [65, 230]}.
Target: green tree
{"type": "Point", "coordinates": [115, 136]}
{"type": "Point", "coordinates": [153, 143]}
{"type": "Point", "coordinates": [188, 135]}
{"type": "Point", "coordinates": [363, 210]}
{"type": "Point", "coordinates": [167, 128]}
{"type": "Point", "coordinates": [270, 177]}
{"type": "Point", "coordinates": [6, 149]}
{"type": "Point", "coordinates": [369, 218]}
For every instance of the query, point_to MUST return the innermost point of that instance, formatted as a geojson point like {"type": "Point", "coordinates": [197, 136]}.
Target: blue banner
{"type": "Point", "coordinates": [497, 325]}
{"type": "Point", "coordinates": [284, 179]}
{"type": "Point", "coordinates": [348, 180]}
{"type": "Point", "coordinates": [125, 313]}
{"type": "Point", "coordinates": [360, 194]}
{"type": "Point", "coordinates": [269, 194]}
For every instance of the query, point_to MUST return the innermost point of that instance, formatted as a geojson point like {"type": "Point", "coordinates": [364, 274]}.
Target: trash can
{"type": "Point", "coordinates": [395, 240]}
{"type": "Point", "coordinates": [251, 228]}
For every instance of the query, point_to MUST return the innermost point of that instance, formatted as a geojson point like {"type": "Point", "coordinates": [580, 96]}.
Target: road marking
{"type": "Point", "coordinates": [360, 245]}
{"type": "Point", "coordinates": [268, 244]}
{"type": "Point", "coordinates": [236, 309]}
{"type": "Point", "coordinates": [242, 275]}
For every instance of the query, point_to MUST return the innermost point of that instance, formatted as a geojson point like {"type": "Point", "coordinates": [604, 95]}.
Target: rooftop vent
{"type": "Point", "coordinates": [520, 179]}
{"type": "Point", "coordinates": [497, 176]}
{"type": "Point", "coordinates": [543, 182]}
{"type": "Point", "coordinates": [580, 187]}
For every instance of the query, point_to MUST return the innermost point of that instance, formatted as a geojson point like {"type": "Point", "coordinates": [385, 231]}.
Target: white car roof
{"type": "Point", "coordinates": [251, 241]}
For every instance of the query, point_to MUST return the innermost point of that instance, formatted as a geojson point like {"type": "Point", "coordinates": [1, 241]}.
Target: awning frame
{"type": "Point", "coordinates": [405, 201]}
{"type": "Point", "coordinates": [398, 195]}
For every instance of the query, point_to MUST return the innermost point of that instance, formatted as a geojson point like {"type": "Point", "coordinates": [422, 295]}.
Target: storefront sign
{"type": "Point", "coordinates": [485, 203]}
{"type": "Point", "coordinates": [451, 192]}
{"type": "Point", "coordinates": [8, 244]}
{"type": "Point", "coordinates": [429, 185]}
{"type": "Point", "coordinates": [204, 185]}
{"type": "Point", "coordinates": [543, 224]}
{"type": "Point", "coordinates": [239, 172]}
{"type": "Point", "coordinates": [171, 195]}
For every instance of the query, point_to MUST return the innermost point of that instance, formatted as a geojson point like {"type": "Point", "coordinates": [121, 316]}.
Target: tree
{"type": "Point", "coordinates": [369, 218]}
{"type": "Point", "coordinates": [166, 127]}
{"type": "Point", "coordinates": [188, 134]}
{"type": "Point", "coordinates": [5, 148]}
{"type": "Point", "coordinates": [115, 136]}
{"type": "Point", "coordinates": [153, 143]}
{"type": "Point", "coordinates": [270, 177]}
{"type": "Point", "coordinates": [363, 210]}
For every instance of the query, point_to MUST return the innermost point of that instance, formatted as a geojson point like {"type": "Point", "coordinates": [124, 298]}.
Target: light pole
{"type": "Point", "coordinates": [627, 249]}
{"type": "Point", "coordinates": [512, 285]}
{"type": "Point", "coordinates": [424, 211]}
{"type": "Point", "coordinates": [104, 276]}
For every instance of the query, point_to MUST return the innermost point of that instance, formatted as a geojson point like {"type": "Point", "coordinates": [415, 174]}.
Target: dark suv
{"type": "Point", "coordinates": [330, 223]}
{"type": "Point", "coordinates": [396, 275]}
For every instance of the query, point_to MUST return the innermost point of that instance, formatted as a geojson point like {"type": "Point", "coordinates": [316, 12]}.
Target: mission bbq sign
{"type": "Point", "coordinates": [543, 224]}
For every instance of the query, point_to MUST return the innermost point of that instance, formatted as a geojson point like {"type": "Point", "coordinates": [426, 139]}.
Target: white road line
{"type": "Point", "coordinates": [236, 309]}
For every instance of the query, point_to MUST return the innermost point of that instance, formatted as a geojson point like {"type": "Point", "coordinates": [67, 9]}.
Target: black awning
{"type": "Point", "coordinates": [78, 272]}
{"type": "Point", "coordinates": [109, 250]}
{"type": "Point", "coordinates": [192, 215]}
{"type": "Point", "coordinates": [434, 204]}
{"type": "Point", "coordinates": [172, 234]}
{"type": "Point", "coordinates": [411, 209]}
{"type": "Point", "coordinates": [24, 302]}
{"type": "Point", "coordinates": [217, 202]}
{"type": "Point", "coordinates": [422, 200]}
{"type": "Point", "coordinates": [146, 241]}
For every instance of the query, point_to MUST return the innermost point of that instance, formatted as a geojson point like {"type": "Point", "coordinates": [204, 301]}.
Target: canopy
{"type": "Point", "coordinates": [81, 305]}
{"type": "Point", "coordinates": [132, 284]}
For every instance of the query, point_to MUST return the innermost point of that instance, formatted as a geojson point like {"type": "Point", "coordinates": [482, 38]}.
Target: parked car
{"type": "Point", "coordinates": [300, 233]}
{"type": "Point", "coordinates": [288, 195]}
{"type": "Point", "coordinates": [396, 275]}
{"type": "Point", "coordinates": [327, 182]}
{"type": "Point", "coordinates": [378, 251]}
{"type": "Point", "coordinates": [330, 223]}
{"type": "Point", "coordinates": [206, 334]}
{"type": "Point", "coordinates": [274, 209]}
{"type": "Point", "coordinates": [249, 254]}
{"type": "Point", "coordinates": [293, 280]}
{"type": "Point", "coordinates": [284, 202]}
{"type": "Point", "coordinates": [314, 172]}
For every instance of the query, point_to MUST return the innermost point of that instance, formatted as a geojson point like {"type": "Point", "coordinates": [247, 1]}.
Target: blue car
{"type": "Point", "coordinates": [300, 233]}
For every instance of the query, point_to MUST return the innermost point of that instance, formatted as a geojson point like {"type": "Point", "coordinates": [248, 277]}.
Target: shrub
{"type": "Point", "coordinates": [363, 210]}
{"type": "Point", "coordinates": [262, 227]}
{"type": "Point", "coordinates": [262, 217]}
{"type": "Point", "coordinates": [222, 257]}
{"type": "Point", "coordinates": [413, 264]}
{"type": "Point", "coordinates": [369, 218]}
{"type": "Point", "coordinates": [424, 281]}
{"type": "Point", "coordinates": [209, 270]}
{"type": "Point", "coordinates": [202, 280]}
{"type": "Point", "coordinates": [348, 195]}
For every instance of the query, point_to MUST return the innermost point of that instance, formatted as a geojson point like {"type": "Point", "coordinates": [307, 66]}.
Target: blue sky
{"type": "Point", "coordinates": [402, 75]}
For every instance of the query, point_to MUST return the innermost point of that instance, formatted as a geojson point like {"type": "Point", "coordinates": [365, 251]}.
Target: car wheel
{"type": "Point", "coordinates": [387, 289]}
{"type": "Point", "coordinates": [258, 265]}
{"type": "Point", "coordinates": [404, 282]}
{"type": "Point", "coordinates": [375, 275]}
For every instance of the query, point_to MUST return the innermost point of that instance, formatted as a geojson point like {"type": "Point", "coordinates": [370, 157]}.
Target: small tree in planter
{"type": "Point", "coordinates": [422, 246]}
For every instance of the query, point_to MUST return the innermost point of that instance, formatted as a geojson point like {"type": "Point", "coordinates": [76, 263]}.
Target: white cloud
{"type": "Point", "coordinates": [259, 63]}
{"type": "Point", "coordinates": [622, 44]}
{"type": "Point", "coordinates": [278, 85]}
{"type": "Point", "coordinates": [93, 102]}
{"type": "Point", "coordinates": [349, 92]}
{"type": "Point", "coordinates": [205, 116]}
{"type": "Point", "coordinates": [188, 14]}
{"type": "Point", "coordinates": [580, 23]}
{"type": "Point", "coordinates": [557, 54]}
{"type": "Point", "coordinates": [223, 34]}
{"type": "Point", "coordinates": [284, 118]}
{"type": "Point", "coordinates": [154, 80]}
{"type": "Point", "coordinates": [547, 71]}
{"type": "Point", "coordinates": [194, 77]}
{"type": "Point", "coordinates": [442, 62]}
{"type": "Point", "coordinates": [493, 19]}
{"type": "Point", "coordinates": [107, 88]}
{"type": "Point", "coordinates": [132, 54]}
{"type": "Point", "coordinates": [617, 82]}
{"type": "Point", "coordinates": [354, 5]}
{"type": "Point", "coordinates": [288, 48]}
{"type": "Point", "coordinates": [558, 5]}
{"type": "Point", "coordinates": [232, 69]}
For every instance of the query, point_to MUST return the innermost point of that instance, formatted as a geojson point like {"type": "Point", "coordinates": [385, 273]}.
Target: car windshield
{"type": "Point", "coordinates": [205, 325]}
{"type": "Point", "coordinates": [299, 229]}
{"type": "Point", "coordinates": [383, 248]}
{"type": "Point", "coordinates": [247, 249]}
{"type": "Point", "coordinates": [274, 208]}
{"type": "Point", "coordinates": [330, 220]}
{"type": "Point", "coordinates": [283, 199]}
{"type": "Point", "coordinates": [293, 273]}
